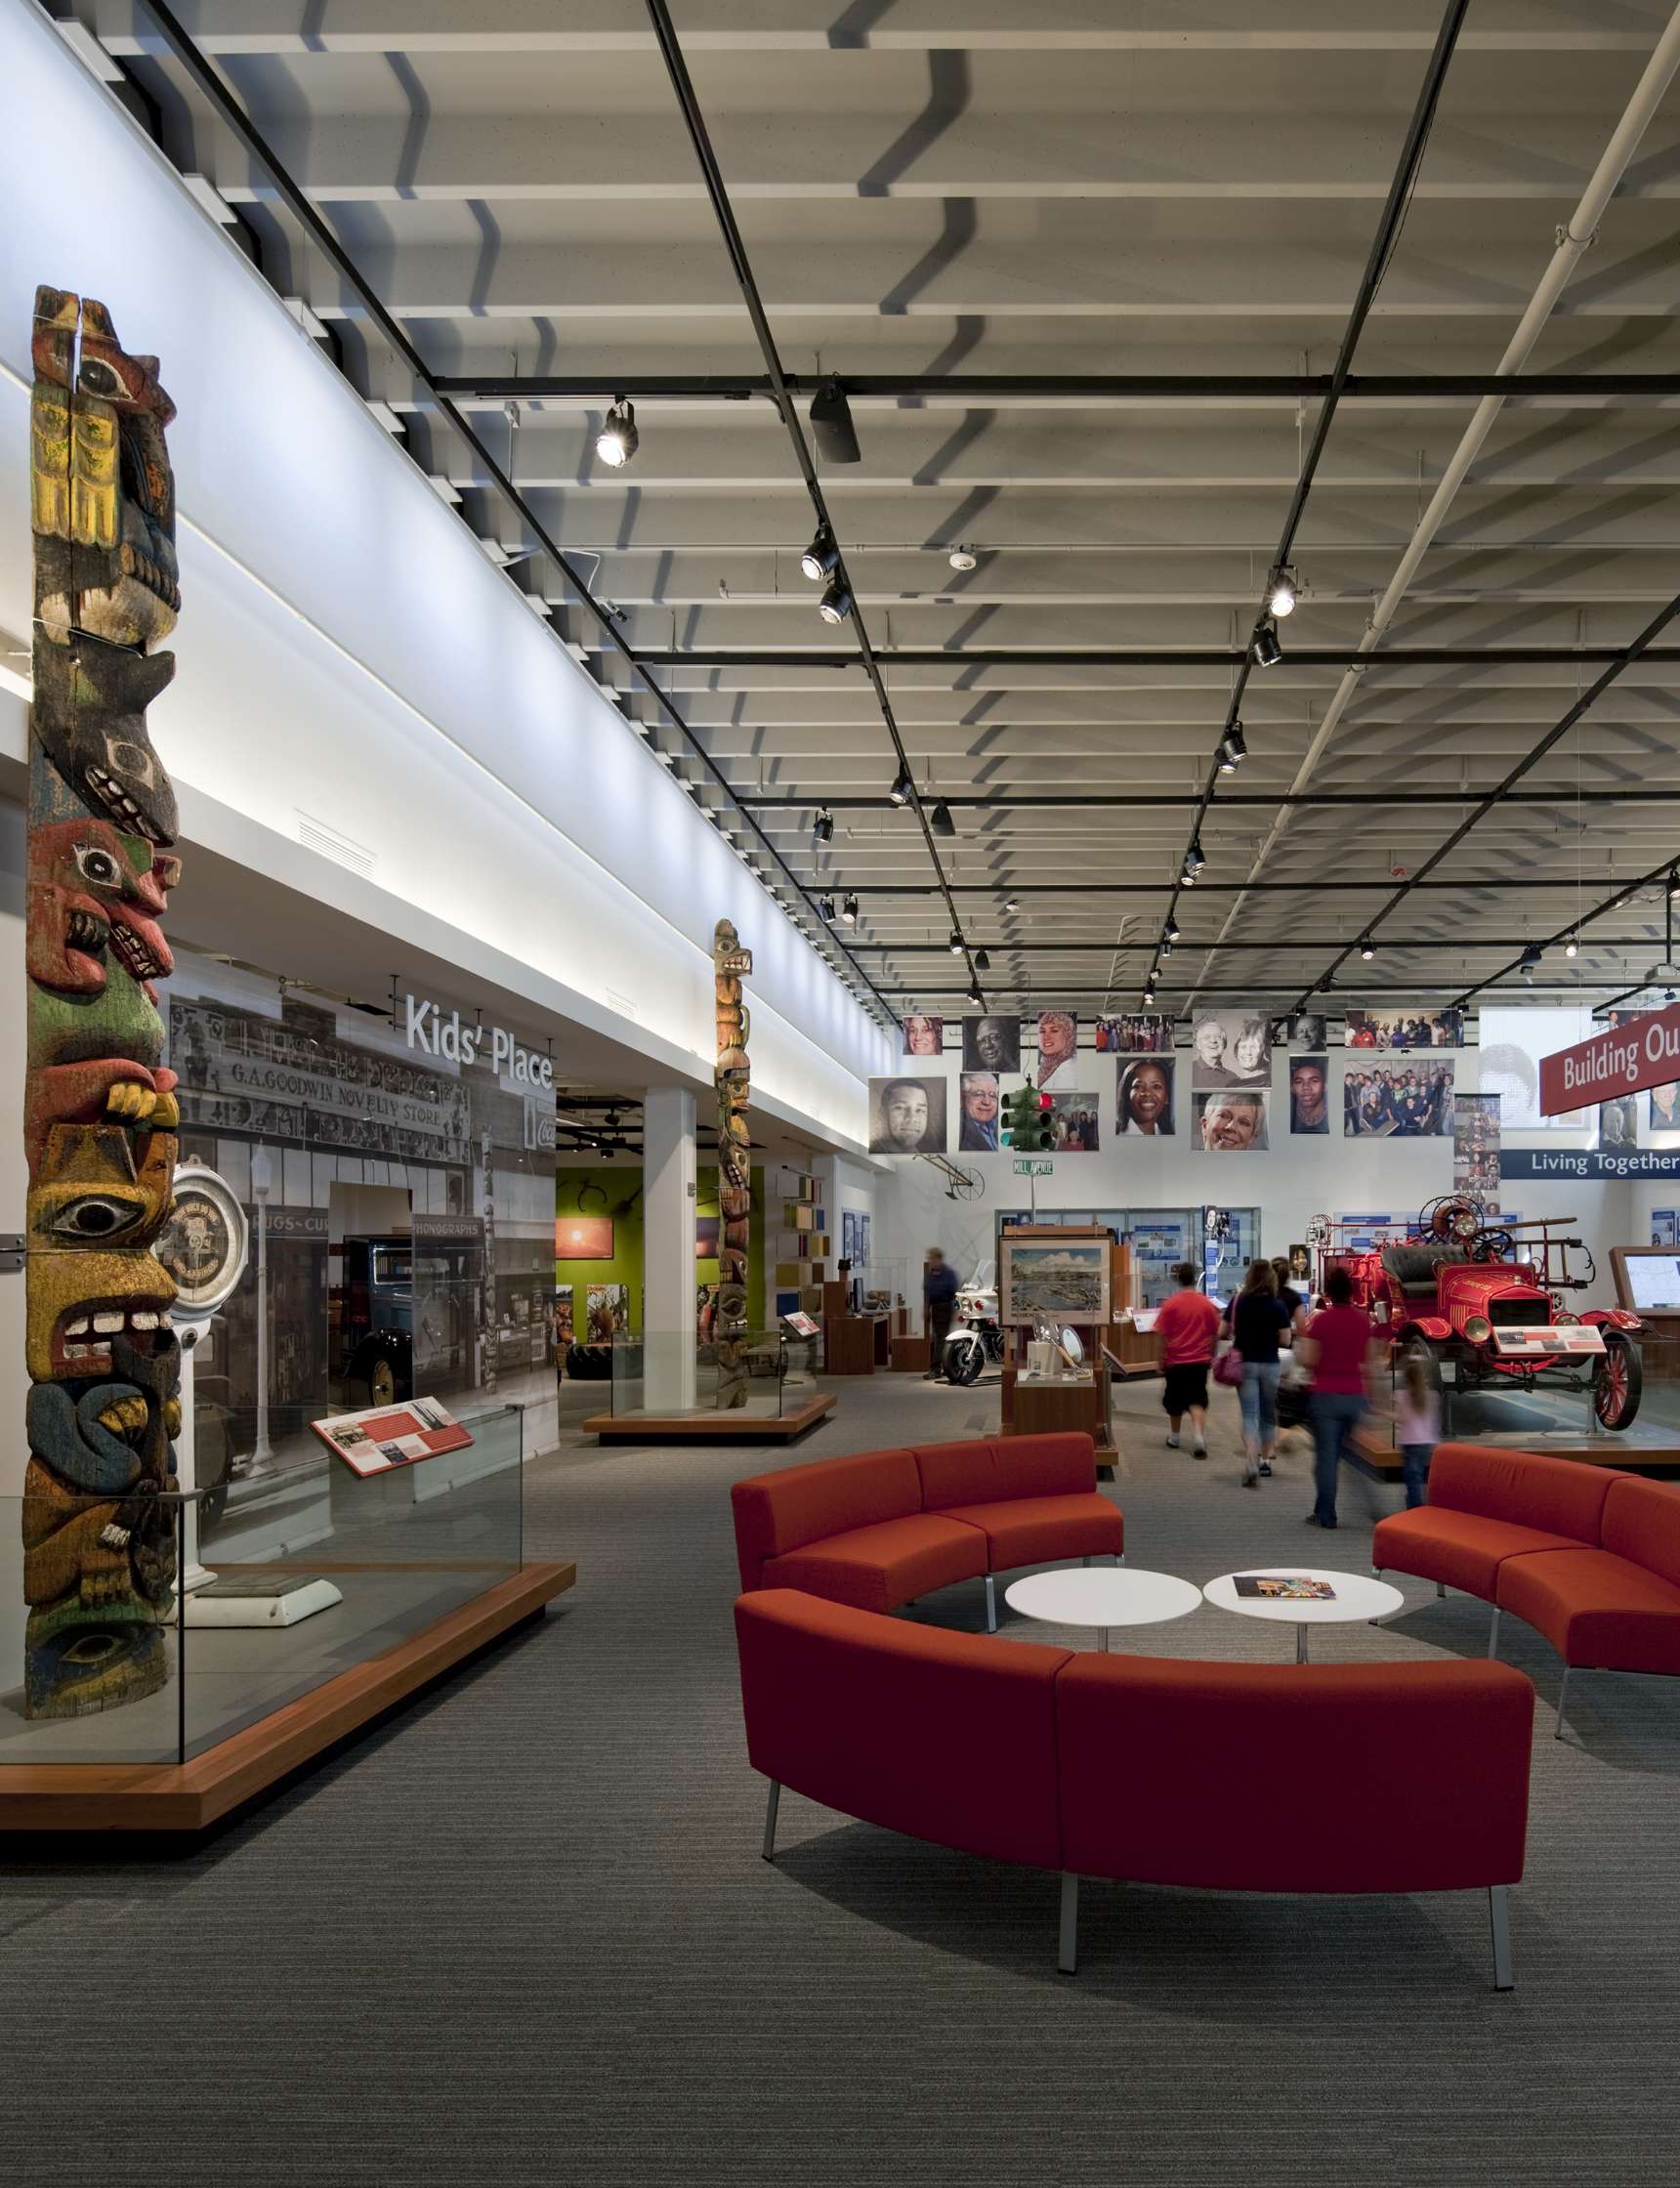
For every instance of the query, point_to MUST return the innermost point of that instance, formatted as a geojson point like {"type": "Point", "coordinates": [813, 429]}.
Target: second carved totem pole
{"type": "Point", "coordinates": [732, 1078]}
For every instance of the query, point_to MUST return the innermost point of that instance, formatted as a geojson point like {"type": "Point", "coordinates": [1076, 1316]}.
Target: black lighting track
{"type": "Point", "coordinates": [1074, 388]}
{"type": "Point", "coordinates": [1386, 235]}
{"type": "Point", "coordinates": [1526, 882]}
{"type": "Point", "coordinates": [1642, 648]}
{"type": "Point", "coordinates": [1272, 948]}
{"type": "Point", "coordinates": [1065, 994]}
{"type": "Point", "coordinates": [1141, 656]}
{"type": "Point", "coordinates": [1007, 801]}
{"type": "Point", "coordinates": [304, 210]}
{"type": "Point", "coordinates": [694, 121]}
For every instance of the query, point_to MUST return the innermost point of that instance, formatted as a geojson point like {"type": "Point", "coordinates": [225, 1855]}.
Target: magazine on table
{"type": "Point", "coordinates": [1284, 1587]}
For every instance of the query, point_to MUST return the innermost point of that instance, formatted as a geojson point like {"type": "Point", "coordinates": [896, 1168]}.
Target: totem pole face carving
{"type": "Point", "coordinates": [732, 1077]}
{"type": "Point", "coordinates": [99, 1110]}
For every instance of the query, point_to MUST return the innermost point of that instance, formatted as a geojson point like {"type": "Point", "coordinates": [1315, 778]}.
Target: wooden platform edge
{"type": "Point", "coordinates": [190, 1797]}
{"type": "Point", "coordinates": [708, 1428]}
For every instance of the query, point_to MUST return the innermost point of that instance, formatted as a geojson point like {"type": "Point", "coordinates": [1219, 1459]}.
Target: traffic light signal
{"type": "Point", "coordinates": [1027, 1120]}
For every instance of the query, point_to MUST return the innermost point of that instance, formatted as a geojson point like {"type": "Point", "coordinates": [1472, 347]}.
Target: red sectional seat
{"type": "Point", "coordinates": [1588, 1556]}
{"type": "Point", "coordinates": [1487, 1504]}
{"type": "Point", "coordinates": [1385, 1778]}
{"type": "Point", "coordinates": [880, 1529]}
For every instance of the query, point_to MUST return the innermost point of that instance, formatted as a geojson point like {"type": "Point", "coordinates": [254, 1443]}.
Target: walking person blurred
{"type": "Point", "coordinates": [1258, 1320]}
{"type": "Point", "coordinates": [1416, 1421]}
{"type": "Point", "coordinates": [1188, 1327]}
{"type": "Point", "coordinates": [1340, 1347]}
{"type": "Point", "coordinates": [938, 1294]}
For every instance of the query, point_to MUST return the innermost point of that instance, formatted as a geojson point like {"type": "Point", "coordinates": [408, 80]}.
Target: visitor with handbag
{"type": "Point", "coordinates": [1341, 1347]}
{"type": "Point", "coordinates": [1258, 1320]}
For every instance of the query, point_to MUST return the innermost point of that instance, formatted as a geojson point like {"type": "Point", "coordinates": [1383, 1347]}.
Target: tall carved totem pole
{"type": "Point", "coordinates": [101, 1121]}
{"type": "Point", "coordinates": [732, 1078]}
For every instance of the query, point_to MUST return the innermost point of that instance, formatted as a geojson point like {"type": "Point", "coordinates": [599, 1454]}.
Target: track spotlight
{"type": "Point", "coordinates": [1194, 861]}
{"type": "Point", "coordinates": [836, 603]}
{"type": "Point", "coordinates": [1283, 593]}
{"type": "Point", "coordinates": [964, 558]}
{"type": "Point", "coordinates": [1529, 962]}
{"type": "Point", "coordinates": [902, 789]}
{"type": "Point", "coordinates": [974, 994]}
{"type": "Point", "coordinates": [1368, 948]}
{"type": "Point", "coordinates": [1572, 947]}
{"type": "Point", "coordinates": [1266, 650]}
{"type": "Point", "coordinates": [1011, 903]}
{"type": "Point", "coordinates": [822, 828]}
{"type": "Point", "coordinates": [1165, 948]}
{"type": "Point", "coordinates": [825, 910]}
{"type": "Point", "coordinates": [831, 425]}
{"type": "Point", "coordinates": [1148, 995]}
{"type": "Point", "coordinates": [982, 962]}
{"type": "Point", "coordinates": [1232, 749]}
{"type": "Point", "coordinates": [1171, 930]}
{"type": "Point", "coordinates": [955, 943]}
{"type": "Point", "coordinates": [617, 441]}
{"type": "Point", "coordinates": [1674, 881]}
{"type": "Point", "coordinates": [941, 822]}
{"type": "Point", "coordinates": [848, 912]}
{"type": "Point", "coordinates": [821, 559]}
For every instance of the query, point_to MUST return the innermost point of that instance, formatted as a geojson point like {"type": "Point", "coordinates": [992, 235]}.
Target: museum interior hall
{"type": "Point", "coordinates": [837, 855]}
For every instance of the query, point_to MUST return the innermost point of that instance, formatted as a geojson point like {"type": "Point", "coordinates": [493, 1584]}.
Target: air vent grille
{"type": "Point", "coordinates": [332, 843]}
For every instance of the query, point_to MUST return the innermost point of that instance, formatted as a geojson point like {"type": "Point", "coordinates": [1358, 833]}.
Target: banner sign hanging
{"type": "Point", "coordinates": [1588, 1162]}
{"type": "Point", "coordinates": [1645, 1052]}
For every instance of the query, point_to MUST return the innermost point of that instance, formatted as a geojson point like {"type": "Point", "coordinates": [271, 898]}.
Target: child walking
{"type": "Point", "coordinates": [1416, 1422]}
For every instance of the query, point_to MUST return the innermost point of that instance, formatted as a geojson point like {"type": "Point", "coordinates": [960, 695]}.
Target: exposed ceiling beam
{"type": "Point", "coordinates": [1141, 656]}
{"type": "Point", "coordinates": [1097, 390]}
{"type": "Point", "coordinates": [1401, 793]}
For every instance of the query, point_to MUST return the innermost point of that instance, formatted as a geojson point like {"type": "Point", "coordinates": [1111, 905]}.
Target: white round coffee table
{"type": "Point", "coordinates": [1102, 1596]}
{"type": "Point", "coordinates": [1357, 1596]}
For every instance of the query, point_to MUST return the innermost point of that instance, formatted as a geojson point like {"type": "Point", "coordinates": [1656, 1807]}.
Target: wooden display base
{"type": "Point", "coordinates": [188, 1797]}
{"type": "Point", "coordinates": [1636, 1450]}
{"type": "Point", "coordinates": [912, 1356]}
{"type": "Point", "coordinates": [709, 1428]}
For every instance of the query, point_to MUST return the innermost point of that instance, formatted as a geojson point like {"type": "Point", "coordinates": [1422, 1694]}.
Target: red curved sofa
{"type": "Point", "coordinates": [1271, 1777]}
{"type": "Point", "coordinates": [882, 1528]}
{"type": "Point", "coordinates": [1588, 1556]}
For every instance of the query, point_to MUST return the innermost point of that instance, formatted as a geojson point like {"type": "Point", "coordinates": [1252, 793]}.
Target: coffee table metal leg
{"type": "Point", "coordinates": [1301, 1656]}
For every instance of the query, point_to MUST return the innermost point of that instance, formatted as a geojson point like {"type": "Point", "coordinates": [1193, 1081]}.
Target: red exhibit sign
{"type": "Point", "coordinates": [1645, 1052]}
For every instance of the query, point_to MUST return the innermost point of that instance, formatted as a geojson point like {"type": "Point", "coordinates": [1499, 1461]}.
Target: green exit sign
{"type": "Point", "coordinates": [1027, 1169]}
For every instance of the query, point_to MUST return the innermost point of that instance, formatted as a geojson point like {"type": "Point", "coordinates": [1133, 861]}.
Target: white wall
{"type": "Point", "coordinates": [347, 651]}
{"type": "Point", "coordinates": [1290, 1182]}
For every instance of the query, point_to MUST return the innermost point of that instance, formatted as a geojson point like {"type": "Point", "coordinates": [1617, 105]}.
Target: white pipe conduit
{"type": "Point", "coordinates": [1572, 242]}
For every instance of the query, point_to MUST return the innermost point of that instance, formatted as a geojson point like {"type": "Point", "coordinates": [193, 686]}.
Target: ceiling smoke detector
{"type": "Point", "coordinates": [964, 558]}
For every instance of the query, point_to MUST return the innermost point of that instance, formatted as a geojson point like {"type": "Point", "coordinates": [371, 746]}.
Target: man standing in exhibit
{"type": "Point", "coordinates": [939, 1295]}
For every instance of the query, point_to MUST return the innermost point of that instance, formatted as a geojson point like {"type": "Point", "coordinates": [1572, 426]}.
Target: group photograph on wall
{"type": "Point", "coordinates": [1405, 1029]}
{"type": "Point", "coordinates": [1408, 1103]}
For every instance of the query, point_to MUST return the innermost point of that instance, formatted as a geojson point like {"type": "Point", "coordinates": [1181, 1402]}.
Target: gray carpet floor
{"type": "Point", "coordinates": [522, 1933]}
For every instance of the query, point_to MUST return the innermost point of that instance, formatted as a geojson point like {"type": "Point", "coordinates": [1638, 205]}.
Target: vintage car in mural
{"type": "Point", "coordinates": [400, 1317]}
{"type": "Point", "coordinates": [1487, 1299]}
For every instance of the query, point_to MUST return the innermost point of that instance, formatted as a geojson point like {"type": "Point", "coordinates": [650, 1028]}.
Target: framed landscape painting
{"type": "Point", "coordinates": [1053, 1279]}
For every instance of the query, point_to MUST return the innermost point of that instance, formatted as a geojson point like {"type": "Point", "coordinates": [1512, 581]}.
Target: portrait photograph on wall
{"type": "Point", "coordinates": [1404, 1029]}
{"type": "Point", "coordinates": [1232, 1121]}
{"type": "Point", "coordinates": [1230, 1048]}
{"type": "Point", "coordinates": [1308, 1094]}
{"type": "Point", "coordinates": [1618, 1123]}
{"type": "Point", "coordinates": [1143, 1098]}
{"type": "Point", "coordinates": [1141, 1034]}
{"type": "Point", "coordinates": [1399, 1104]}
{"type": "Point", "coordinates": [907, 1116]}
{"type": "Point", "coordinates": [1064, 1279]}
{"type": "Point", "coordinates": [1057, 1049]}
{"type": "Point", "coordinates": [1073, 1124]}
{"type": "Point", "coordinates": [1663, 1114]}
{"type": "Point", "coordinates": [1476, 1148]}
{"type": "Point", "coordinates": [923, 1036]}
{"type": "Point", "coordinates": [977, 1132]}
{"type": "Point", "coordinates": [991, 1044]}
{"type": "Point", "coordinates": [583, 1238]}
{"type": "Point", "coordinates": [1309, 1032]}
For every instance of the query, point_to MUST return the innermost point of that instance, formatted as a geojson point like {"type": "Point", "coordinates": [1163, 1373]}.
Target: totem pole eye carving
{"type": "Point", "coordinates": [732, 1078]}
{"type": "Point", "coordinates": [100, 1120]}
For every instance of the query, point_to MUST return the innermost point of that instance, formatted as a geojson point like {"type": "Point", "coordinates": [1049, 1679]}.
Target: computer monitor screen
{"type": "Point", "coordinates": [1654, 1280]}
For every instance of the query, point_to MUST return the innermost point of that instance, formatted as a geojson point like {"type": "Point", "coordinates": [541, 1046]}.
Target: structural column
{"type": "Point", "coordinates": [669, 1246]}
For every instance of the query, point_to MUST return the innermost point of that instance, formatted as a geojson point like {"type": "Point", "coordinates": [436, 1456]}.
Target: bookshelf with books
{"type": "Point", "coordinates": [799, 1247]}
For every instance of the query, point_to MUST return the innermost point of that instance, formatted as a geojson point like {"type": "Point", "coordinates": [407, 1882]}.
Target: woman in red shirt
{"type": "Point", "coordinates": [1188, 1327]}
{"type": "Point", "coordinates": [1339, 1345]}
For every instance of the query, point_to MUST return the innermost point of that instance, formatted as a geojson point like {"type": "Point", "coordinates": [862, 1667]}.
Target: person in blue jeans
{"type": "Point", "coordinates": [1340, 1346]}
{"type": "Point", "coordinates": [1416, 1421]}
{"type": "Point", "coordinates": [1258, 1320]}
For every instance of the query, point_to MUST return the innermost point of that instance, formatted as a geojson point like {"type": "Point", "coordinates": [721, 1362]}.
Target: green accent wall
{"type": "Point", "coordinates": [627, 1264]}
